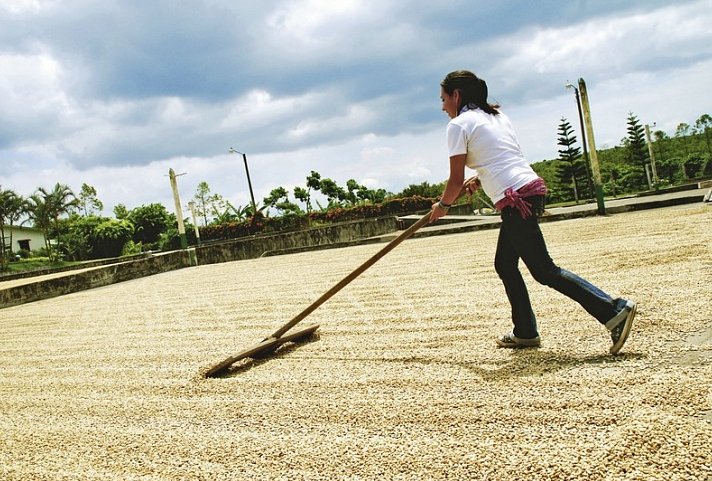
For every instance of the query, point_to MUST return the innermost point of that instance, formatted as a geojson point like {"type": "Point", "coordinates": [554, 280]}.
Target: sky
{"type": "Point", "coordinates": [115, 93]}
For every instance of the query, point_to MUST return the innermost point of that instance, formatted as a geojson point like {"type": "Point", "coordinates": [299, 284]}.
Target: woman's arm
{"type": "Point", "coordinates": [452, 188]}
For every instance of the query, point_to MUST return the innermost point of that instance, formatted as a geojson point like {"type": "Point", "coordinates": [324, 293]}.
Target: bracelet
{"type": "Point", "coordinates": [443, 205]}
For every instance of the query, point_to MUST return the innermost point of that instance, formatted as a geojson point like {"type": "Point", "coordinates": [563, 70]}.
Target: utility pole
{"type": "Point", "coordinates": [652, 154]}
{"type": "Point", "coordinates": [592, 148]}
{"type": "Point", "coordinates": [179, 211]}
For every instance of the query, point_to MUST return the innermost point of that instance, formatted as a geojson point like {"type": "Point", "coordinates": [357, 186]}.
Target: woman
{"type": "Point", "coordinates": [481, 137]}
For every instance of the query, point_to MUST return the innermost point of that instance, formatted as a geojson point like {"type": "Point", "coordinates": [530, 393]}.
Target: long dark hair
{"type": "Point", "coordinates": [473, 90]}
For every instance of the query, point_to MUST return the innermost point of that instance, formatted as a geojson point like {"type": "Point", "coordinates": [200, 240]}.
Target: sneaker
{"type": "Point", "coordinates": [511, 341]}
{"type": "Point", "coordinates": [620, 326]}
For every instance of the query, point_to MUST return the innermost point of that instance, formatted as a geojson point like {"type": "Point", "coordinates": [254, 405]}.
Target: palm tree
{"type": "Point", "coordinates": [12, 206]}
{"type": "Point", "coordinates": [61, 199]}
{"type": "Point", "coordinates": [38, 212]}
{"type": "Point", "coordinates": [46, 207]}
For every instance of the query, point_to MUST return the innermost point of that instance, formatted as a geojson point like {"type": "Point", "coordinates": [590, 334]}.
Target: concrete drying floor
{"type": "Point", "coordinates": [403, 382]}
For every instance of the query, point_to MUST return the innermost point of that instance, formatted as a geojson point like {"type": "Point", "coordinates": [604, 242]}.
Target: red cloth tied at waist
{"type": "Point", "coordinates": [515, 198]}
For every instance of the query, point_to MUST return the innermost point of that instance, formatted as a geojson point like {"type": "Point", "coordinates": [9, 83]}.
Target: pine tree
{"type": "Point", "coordinates": [571, 171]}
{"type": "Point", "coordinates": [637, 149]}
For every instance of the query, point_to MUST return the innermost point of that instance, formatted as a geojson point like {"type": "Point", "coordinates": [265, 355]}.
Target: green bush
{"type": "Point", "coordinates": [132, 248]}
{"type": "Point", "coordinates": [110, 237]}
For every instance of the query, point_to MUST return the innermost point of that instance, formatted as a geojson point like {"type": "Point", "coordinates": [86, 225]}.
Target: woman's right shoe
{"type": "Point", "coordinates": [620, 326]}
{"type": "Point", "coordinates": [511, 341]}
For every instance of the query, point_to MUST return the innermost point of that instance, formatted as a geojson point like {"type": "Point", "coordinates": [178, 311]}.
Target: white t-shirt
{"type": "Point", "coordinates": [492, 150]}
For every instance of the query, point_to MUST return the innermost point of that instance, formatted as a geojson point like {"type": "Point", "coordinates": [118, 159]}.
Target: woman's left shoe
{"type": "Point", "coordinates": [511, 341]}
{"type": "Point", "coordinates": [620, 326]}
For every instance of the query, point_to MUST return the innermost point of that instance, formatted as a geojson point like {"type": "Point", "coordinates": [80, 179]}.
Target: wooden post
{"type": "Point", "coordinates": [592, 147]}
{"type": "Point", "coordinates": [652, 154]}
{"type": "Point", "coordinates": [191, 206]}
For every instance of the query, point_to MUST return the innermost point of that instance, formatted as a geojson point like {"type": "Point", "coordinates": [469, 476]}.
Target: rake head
{"type": "Point", "coordinates": [261, 350]}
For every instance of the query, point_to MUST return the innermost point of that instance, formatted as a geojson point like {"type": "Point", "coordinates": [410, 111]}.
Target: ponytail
{"type": "Point", "coordinates": [473, 91]}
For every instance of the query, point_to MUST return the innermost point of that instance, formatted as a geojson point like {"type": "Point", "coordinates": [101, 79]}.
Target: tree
{"type": "Point", "coordinates": [660, 139]}
{"type": "Point", "coordinates": [637, 150]}
{"type": "Point", "coordinates": [375, 196]}
{"type": "Point", "coordinates": [279, 199]}
{"type": "Point", "coordinates": [682, 132]}
{"type": "Point", "coordinates": [76, 236]}
{"type": "Point", "coordinates": [332, 191]}
{"type": "Point", "coordinates": [12, 207]}
{"type": "Point", "coordinates": [302, 195]}
{"type": "Point", "coordinates": [121, 212]}
{"type": "Point", "coordinates": [693, 165]}
{"type": "Point", "coordinates": [669, 169]}
{"type": "Point", "coordinates": [46, 207]}
{"type": "Point", "coordinates": [88, 200]}
{"type": "Point", "coordinates": [353, 189]}
{"type": "Point", "coordinates": [571, 170]}
{"type": "Point", "coordinates": [313, 183]}
{"type": "Point", "coordinates": [218, 205]}
{"type": "Point", "coordinates": [424, 189]}
{"type": "Point", "coordinates": [201, 197]}
{"type": "Point", "coordinates": [92, 237]}
{"type": "Point", "coordinates": [149, 221]}
{"type": "Point", "coordinates": [60, 200]}
{"type": "Point", "coordinates": [275, 196]}
{"type": "Point", "coordinates": [39, 213]}
{"type": "Point", "coordinates": [210, 205]}
{"type": "Point", "coordinates": [703, 125]}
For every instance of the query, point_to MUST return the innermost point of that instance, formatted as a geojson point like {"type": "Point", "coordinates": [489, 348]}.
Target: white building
{"type": "Point", "coordinates": [27, 238]}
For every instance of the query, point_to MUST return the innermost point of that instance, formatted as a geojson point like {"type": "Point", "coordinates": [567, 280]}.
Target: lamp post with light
{"type": "Point", "coordinates": [249, 182]}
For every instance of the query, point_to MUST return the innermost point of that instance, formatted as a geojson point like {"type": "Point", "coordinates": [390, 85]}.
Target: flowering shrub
{"type": "Point", "coordinates": [260, 224]}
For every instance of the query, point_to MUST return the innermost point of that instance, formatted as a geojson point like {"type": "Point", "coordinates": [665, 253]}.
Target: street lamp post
{"type": "Point", "coordinates": [583, 138]}
{"type": "Point", "coordinates": [592, 147]}
{"type": "Point", "coordinates": [249, 182]}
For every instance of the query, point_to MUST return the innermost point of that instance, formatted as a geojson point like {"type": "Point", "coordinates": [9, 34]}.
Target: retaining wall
{"type": "Point", "coordinates": [75, 267]}
{"type": "Point", "coordinates": [94, 277]}
{"type": "Point", "coordinates": [252, 247]}
{"type": "Point", "coordinates": [239, 249]}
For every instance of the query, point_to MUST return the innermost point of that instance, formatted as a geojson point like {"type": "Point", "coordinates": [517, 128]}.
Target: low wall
{"type": "Point", "coordinates": [94, 277]}
{"type": "Point", "coordinates": [239, 249]}
{"type": "Point", "coordinates": [257, 246]}
{"type": "Point", "coordinates": [75, 267]}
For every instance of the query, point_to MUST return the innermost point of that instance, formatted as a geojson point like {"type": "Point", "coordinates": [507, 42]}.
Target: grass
{"type": "Point", "coordinates": [34, 264]}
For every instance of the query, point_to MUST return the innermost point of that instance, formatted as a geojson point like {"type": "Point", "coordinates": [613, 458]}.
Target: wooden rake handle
{"type": "Point", "coordinates": [353, 275]}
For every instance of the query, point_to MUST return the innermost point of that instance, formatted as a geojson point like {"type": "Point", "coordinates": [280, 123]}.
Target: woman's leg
{"type": "Point", "coordinates": [506, 263]}
{"type": "Point", "coordinates": [529, 243]}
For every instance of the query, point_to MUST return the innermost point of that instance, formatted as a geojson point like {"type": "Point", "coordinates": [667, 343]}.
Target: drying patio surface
{"type": "Point", "coordinates": [403, 382]}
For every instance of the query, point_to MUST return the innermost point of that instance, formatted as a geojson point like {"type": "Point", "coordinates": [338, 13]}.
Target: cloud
{"type": "Point", "coordinates": [117, 92]}
{"type": "Point", "coordinates": [599, 49]}
{"type": "Point", "coordinates": [31, 97]}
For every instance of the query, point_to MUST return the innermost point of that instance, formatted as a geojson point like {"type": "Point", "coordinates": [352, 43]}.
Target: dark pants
{"type": "Point", "coordinates": [522, 238]}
